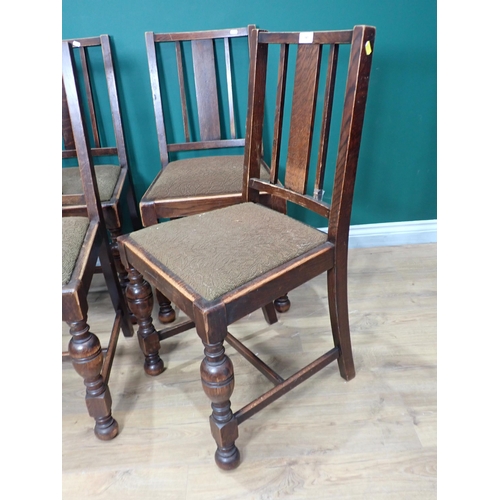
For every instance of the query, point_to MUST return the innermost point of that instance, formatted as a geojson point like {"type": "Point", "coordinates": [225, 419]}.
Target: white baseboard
{"type": "Point", "coordinates": [392, 234]}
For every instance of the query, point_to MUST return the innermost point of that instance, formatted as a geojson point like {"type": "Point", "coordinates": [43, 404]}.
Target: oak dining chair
{"type": "Point", "coordinates": [220, 265]}
{"type": "Point", "coordinates": [199, 93]}
{"type": "Point", "coordinates": [85, 240]}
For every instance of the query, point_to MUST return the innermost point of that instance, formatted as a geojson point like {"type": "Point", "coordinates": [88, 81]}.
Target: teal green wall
{"type": "Point", "coordinates": [397, 170]}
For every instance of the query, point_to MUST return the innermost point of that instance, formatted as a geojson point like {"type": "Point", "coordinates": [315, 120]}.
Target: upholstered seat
{"type": "Point", "coordinates": [73, 234]}
{"type": "Point", "coordinates": [106, 176]}
{"type": "Point", "coordinates": [218, 251]}
{"type": "Point", "coordinates": [212, 175]}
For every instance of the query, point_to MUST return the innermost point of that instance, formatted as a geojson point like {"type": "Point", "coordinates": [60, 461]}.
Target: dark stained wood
{"type": "Point", "coordinates": [326, 121]}
{"type": "Point", "coordinates": [212, 317]}
{"type": "Point", "coordinates": [205, 80]}
{"type": "Point", "coordinates": [350, 137]}
{"type": "Point", "coordinates": [84, 347]}
{"type": "Point", "coordinates": [287, 385]}
{"type": "Point", "coordinates": [203, 35]}
{"type": "Point", "coordinates": [175, 330]}
{"type": "Point", "coordinates": [140, 302]}
{"type": "Point", "coordinates": [305, 201]}
{"type": "Point", "coordinates": [279, 110]}
{"type": "Point", "coordinates": [266, 370]}
{"type": "Point", "coordinates": [71, 153]}
{"type": "Point", "coordinates": [111, 349]}
{"type": "Point", "coordinates": [217, 378]}
{"type": "Point", "coordinates": [229, 79]}
{"type": "Point", "coordinates": [182, 90]}
{"type": "Point", "coordinates": [67, 133]}
{"type": "Point", "coordinates": [320, 37]}
{"type": "Point", "coordinates": [303, 113]}
{"type": "Point", "coordinates": [214, 144]}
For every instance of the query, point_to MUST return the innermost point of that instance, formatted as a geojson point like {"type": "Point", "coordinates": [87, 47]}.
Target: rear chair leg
{"type": "Point", "coordinates": [140, 301]}
{"type": "Point", "coordinates": [120, 269]}
{"type": "Point", "coordinates": [217, 378]}
{"type": "Point", "coordinates": [282, 304]}
{"type": "Point", "coordinates": [339, 318]}
{"type": "Point", "coordinates": [166, 313]}
{"type": "Point", "coordinates": [86, 355]}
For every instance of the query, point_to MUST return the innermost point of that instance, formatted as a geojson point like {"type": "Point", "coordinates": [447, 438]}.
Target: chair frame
{"type": "Point", "coordinates": [90, 361]}
{"type": "Point", "coordinates": [75, 204]}
{"type": "Point", "coordinates": [211, 318]}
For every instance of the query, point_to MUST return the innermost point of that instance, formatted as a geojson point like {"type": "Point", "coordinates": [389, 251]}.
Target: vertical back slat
{"type": "Point", "coordinates": [88, 93]}
{"type": "Point", "coordinates": [67, 131]}
{"type": "Point", "coordinates": [155, 89]}
{"type": "Point", "coordinates": [326, 121]}
{"type": "Point", "coordinates": [182, 90]}
{"type": "Point", "coordinates": [302, 116]}
{"type": "Point", "coordinates": [206, 89]}
{"type": "Point", "coordinates": [113, 99]}
{"type": "Point", "coordinates": [230, 99]}
{"type": "Point", "coordinates": [278, 116]}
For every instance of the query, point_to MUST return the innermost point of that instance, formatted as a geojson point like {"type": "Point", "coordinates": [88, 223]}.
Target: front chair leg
{"type": "Point", "coordinates": [282, 304]}
{"type": "Point", "coordinates": [166, 312]}
{"type": "Point", "coordinates": [140, 301]}
{"type": "Point", "coordinates": [217, 378]}
{"type": "Point", "coordinates": [86, 354]}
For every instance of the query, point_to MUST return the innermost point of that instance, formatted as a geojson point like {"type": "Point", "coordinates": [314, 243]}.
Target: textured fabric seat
{"type": "Point", "coordinates": [73, 234]}
{"type": "Point", "coordinates": [106, 175]}
{"type": "Point", "coordinates": [218, 251]}
{"type": "Point", "coordinates": [213, 175]}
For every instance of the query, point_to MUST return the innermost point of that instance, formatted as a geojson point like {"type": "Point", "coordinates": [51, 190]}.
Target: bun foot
{"type": "Point", "coordinates": [227, 458]}
{"type": "Point", "coordinates": [166, 315]}
{"type": "Point", "coordinates": [106, 429]}
{"type": "Point", "coordinates": [154, 367]}
{"type": "Point", "coordinates": [282, 304]}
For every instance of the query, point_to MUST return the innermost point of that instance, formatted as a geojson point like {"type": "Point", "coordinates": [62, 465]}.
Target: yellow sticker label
{"type": "Point", "coordinates": [368, 48]}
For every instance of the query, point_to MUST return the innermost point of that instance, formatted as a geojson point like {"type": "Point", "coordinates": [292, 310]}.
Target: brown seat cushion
{"type": "Point", "coordinates": [212, 175]}
{"type": "Point", "coordinates": [73, 234]}
{"type": "Point", "coordinates": [218, 251]}
{"type": "Point", "coordinates": [106, 176]}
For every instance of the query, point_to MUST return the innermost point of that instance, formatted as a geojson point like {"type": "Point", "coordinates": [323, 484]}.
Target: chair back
{"type": "Point", "coordinates": [79, 134]}
{"type": "Point", "coordinates": [194, 83]}
{"type": "Point", "coordinates": [96, 80]}
{"type": "Point", "coordinates": [303, 118]}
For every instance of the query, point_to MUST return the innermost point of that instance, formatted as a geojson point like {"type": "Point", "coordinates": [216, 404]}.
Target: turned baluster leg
{"type": "Point", "coordinates": [120, 269]}
{"type": "Point", "coordinates": [282, 304]}
{"type": "Point", "coordinates": [217, 377]}
{"type": "Point", "coordinates": [166, 313]}
{"type": "Point", "coordinates": [140, 301]}
{"type": "Point", "coordinates": [86, 355]}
